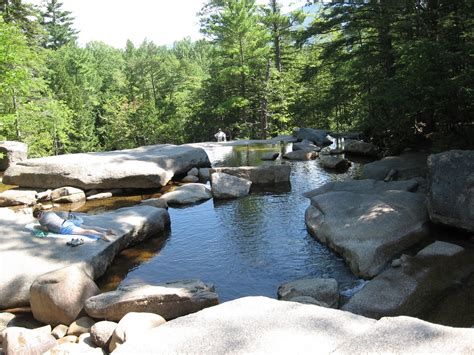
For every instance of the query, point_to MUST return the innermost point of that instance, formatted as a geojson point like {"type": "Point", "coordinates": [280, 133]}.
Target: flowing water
{"type": "Point", "coordinates": [246, 246]}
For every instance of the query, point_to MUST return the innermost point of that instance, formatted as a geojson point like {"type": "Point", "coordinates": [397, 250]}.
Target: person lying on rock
{"type": "Point", "coordinates": [51, 222]}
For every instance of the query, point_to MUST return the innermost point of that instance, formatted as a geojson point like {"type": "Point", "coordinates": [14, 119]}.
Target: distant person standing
{"type": "Point", "coordinates": [220, 136]}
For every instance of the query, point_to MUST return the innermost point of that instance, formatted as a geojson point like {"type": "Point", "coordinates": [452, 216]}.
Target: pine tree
{"type": "Point", "coordinates": [240, 71]}
{"type": "Point", "coordinates": [58, 25]}
{"type": "Point", "coordinates": [23, 16]}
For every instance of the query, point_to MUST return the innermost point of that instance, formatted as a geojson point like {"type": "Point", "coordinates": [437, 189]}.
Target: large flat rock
{"type": "Point", "coordinates": [368, 230]}
{"type": "Point", "coordinates": [407, 166]}
{"type": "Point", "coordinates": [451, 188]}
{"type": "Point", "coordinates": [24, 257]}
{"type": "Point", "coordinates": [367, 186]}
{"type": "Point", "coordinates": [170, 300]}
{"type": "Point", "coordinates": [144, 167]}
{"type": "Point", "coordinates": [260, 325]}
{"type": "Point", "coordinates": [265, 175]}
{"type": "Point", "coordinates": [417, 285]}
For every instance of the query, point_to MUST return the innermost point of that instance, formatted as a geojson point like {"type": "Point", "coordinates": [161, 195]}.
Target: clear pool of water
{"type": "Point", "coordinates": [247, 246]}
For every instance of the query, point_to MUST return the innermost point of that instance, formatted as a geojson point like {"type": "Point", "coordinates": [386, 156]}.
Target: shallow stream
{"type": "Point", "coordinates": [247, 246]}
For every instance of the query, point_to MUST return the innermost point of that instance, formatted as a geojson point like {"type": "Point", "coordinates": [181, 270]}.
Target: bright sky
{"type": "Point", "coordinates": [161, 21]}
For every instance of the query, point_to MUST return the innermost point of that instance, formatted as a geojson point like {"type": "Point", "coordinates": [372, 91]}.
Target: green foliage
{"type": "Point", "coordinates": [58, 25]}
{"type": "Point", "coordinates": [402, 72]}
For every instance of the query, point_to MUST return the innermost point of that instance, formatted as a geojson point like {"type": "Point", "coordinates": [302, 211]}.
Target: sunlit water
{"type": "Point", "coordinates": [247, 246]}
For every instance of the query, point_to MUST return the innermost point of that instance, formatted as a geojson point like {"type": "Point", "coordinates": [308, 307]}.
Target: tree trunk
{"type": "Point", "coordinates": [276, 35]}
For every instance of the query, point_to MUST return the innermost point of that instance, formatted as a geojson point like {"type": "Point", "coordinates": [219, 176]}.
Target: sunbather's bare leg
{"type": "Point", "coordinates": [89, 231]}
{"type": "Point", "coordinates": [103, 230]}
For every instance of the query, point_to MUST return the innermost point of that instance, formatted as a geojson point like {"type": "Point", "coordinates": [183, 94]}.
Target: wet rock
{"type": "Point", "coordinates": [80, 326]}
{"type": "Point", "coordinates": [360, 148]}
{"type": "Point", "coordinates": [144, 167]}
{"type": "Point", "coordinates": [368, 230]}
{"type": "Point", "coordinates": [187, 194]}
{"type": "Point", "coordinates": [306, 145]}
{"type": "Point", "coordinates": [51, 305]}
{"type": "Point", "coordinates": [451, 188]}
{"type": "Point", "coordinates": [284, 138]}
{"type": "Point", "coordinates": [324, 291]}
{"type": "Point", "coordinates": [67, 194]}
{"type": "Point", "coordinates": [155, 202]}
{"type": "Point", "coordinates": [205, 174]}
{"type": "Point", "coordinates": [100, 196]}
{"type": "Point", "coordinates": [336, 151]}
{"type": "Point", "coordinates": [318, 137]}
{"type": "Point", "coordinates": [190, 179]}
{"type": "Point", "coordinates": [407, 166]}
{"type": "Point", "coordinates": [330, 162]}
{"type": "Point", "coordinates": [301, 155]}
{"type": "Point", "coordinates": [12, 152]}
{"type": "Point", "coordinates": [59, 331]}
{"type": "Point", "coordinates": [15, 197]}
{"type": "Point", "coordinates": [193, 172]}
{"type": "Point", "coordinates": [363, 187]}
{"type": "Point", "coordinates": [270, 156]}
{"type": "Point", "coordinates": [27, 341]}
{"type": "Point", "coordinates": [101, 333]}
{"type": "Point", "coordinates": [416, 285]}
{"type": "Point", "coordinates": [346, 135]}
{"type": "Point", "coordinates": [226, 186]}
{"type": "Point", "coordinates": [266, 175]}
{"type": "Point", "coordinates": [308, 300]}
{"type": "Point", "coordinates": [170, 300]}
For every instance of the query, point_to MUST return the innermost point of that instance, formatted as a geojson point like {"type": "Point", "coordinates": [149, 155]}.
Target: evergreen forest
{"type": "Point", "coordinates": [399, 71]}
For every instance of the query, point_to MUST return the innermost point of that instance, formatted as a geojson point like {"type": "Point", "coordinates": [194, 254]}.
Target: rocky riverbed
{"type": "Point", "coordinates": [371, 223]}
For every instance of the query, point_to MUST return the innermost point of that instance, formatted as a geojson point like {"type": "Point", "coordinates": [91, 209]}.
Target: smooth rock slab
{"type": "Point", "coordinates": [187, 194]}
{"type": "Point", "coordinates": [15, 197]}
{"type": "Point", "coordinates": [306, 145]}
{"type": "Point", "coordinates": [13, 152]}
{"type": "Point", "coordinates": [360, 148]}
{"type": "Point", "coordinates": [68, 194]}
{"type": "Point", "coordinates": [368, 230]}
{"type": "Point", "coordinates": [155, 202]}
{"type": "Point", "coordinates": [416, 285]}
{"type": "Point", "coordinates": [260, 325]}
{"type": "Point", "coordinates": [24, 257]}
{"type": "Point", "coordinates": [406, 166]}
{"type": "Point", "coordinates": [144, 167]}
{"type": "Point", "coordinates": [331, 162]}
{"type": "Point", "coordinates": [451, 188]}
{"type": "Point", "coordinates": [270, 156]}
{"type": "Point", "coordinates": [170, 300]}
{"type": "Point", "coordinates": [301, 155]}
{"type": "Point", "coordinates": [317, 136]}
{"type": "Point", "coordinates": [266, 175]}
{"type": "Point", "coordinates": [363, 187]}
{"type": "Point", "coordinates": [225, 186]}
{"type": "Point", "coordinates": [325, 291]}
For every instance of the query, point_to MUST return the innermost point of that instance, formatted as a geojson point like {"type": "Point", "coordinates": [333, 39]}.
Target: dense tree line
{"type": "Point", "coordinates": [399, 71]}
